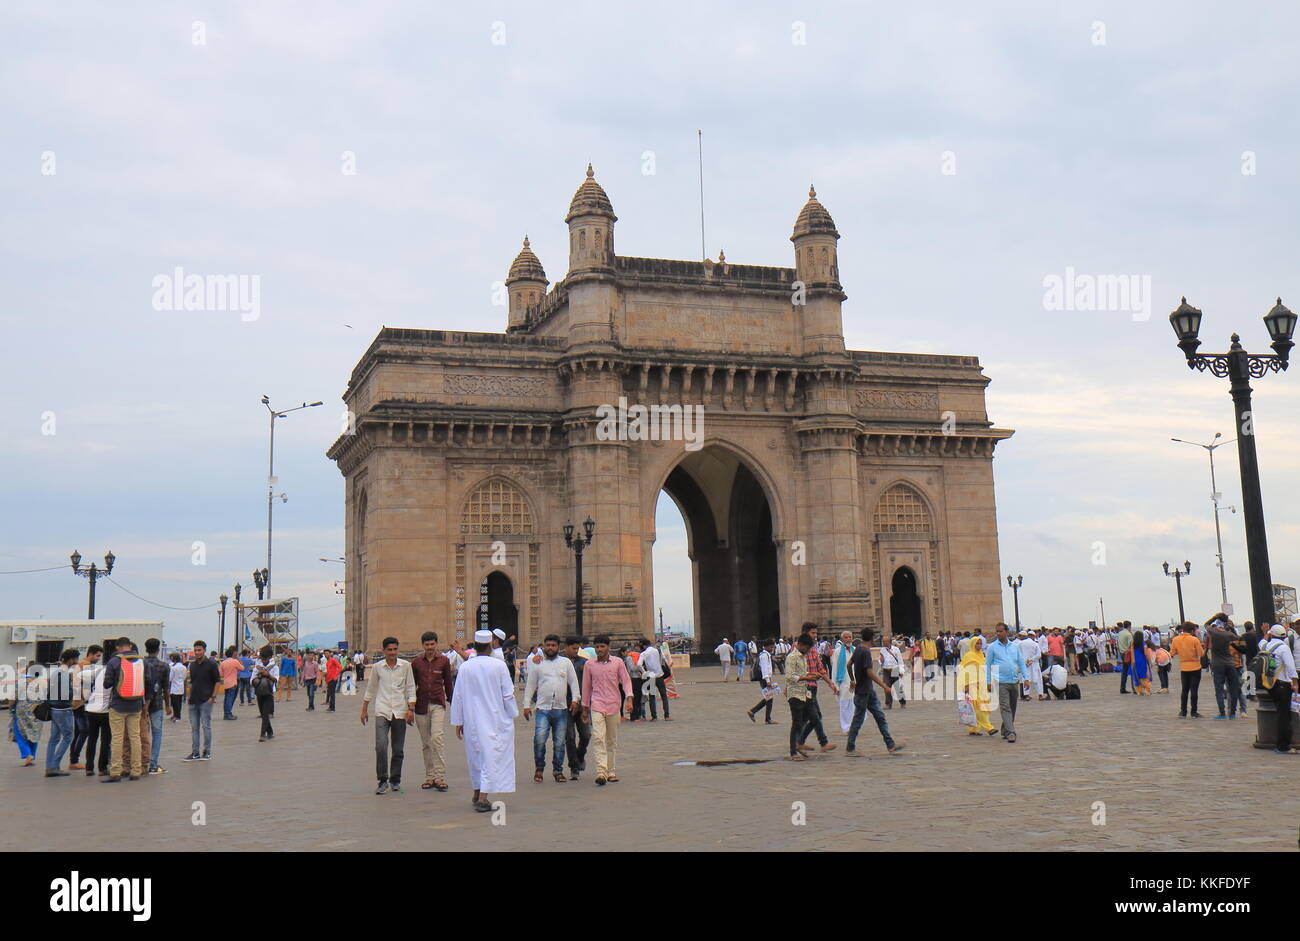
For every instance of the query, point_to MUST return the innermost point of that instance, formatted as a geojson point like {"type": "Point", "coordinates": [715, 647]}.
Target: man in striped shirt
{"type": "Point", "coordinates": [816, 670]}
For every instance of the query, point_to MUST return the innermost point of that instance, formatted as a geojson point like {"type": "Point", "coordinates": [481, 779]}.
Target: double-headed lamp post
{"type": "Point", "coordinates": [1014, 584]}
{"type": "Point", "coordinates": [270, 481]}
{"type": "Point", "coordinates": [93, 573]}
{"type": "Point", "coordinates": [1240, 367]}
{"type": "Point", "coordinates": [577, 544]}
{"type": "Point", "coordinates": [1178, 575]}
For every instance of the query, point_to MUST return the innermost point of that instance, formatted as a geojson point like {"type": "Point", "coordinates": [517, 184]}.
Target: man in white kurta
{"type": "Point", "coordinates": [841, 657]}
{"type": "Point", "coordinates": [483, 711]}
{"type": "Point", "coordinates": [1033, 670]}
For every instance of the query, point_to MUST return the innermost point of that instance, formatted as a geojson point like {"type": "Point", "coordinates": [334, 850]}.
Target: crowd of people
{"type": "Point", "coordinates": [576, 692]}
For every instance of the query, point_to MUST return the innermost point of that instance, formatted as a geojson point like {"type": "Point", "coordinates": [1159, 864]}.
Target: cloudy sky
{"type": "Point", "coordinates": [966, 155]}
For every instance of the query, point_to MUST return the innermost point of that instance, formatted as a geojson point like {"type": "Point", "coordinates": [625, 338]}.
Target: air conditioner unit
{"type": "Point", "coordinates": [22, 635]}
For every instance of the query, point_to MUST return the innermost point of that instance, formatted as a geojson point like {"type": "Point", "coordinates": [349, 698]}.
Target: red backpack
{"type": "Point", "coordinates": [131, 683]}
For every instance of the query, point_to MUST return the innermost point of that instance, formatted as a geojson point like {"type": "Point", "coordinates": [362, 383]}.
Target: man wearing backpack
{"type": "Point", "coordinates": [124, 675]}
{"type": "Point", "coordinates": [157, 682]}
{"type": "Point", "coordinates": [1284, 683]}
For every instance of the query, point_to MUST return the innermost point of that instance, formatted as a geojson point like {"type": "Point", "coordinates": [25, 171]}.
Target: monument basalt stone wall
{"type": "Point", "coordinates": [845, 487]}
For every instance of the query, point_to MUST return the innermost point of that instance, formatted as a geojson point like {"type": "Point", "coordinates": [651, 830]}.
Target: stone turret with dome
{"type": "Point", "coordinates": [525, 285]}
{"type": "Point", "coordinates": [814, 240]}
{"type": "Point", "coordinates": [591, 226]}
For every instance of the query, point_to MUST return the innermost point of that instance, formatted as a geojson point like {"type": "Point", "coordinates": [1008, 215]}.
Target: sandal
{"type": "Point", "coordinates": [796, 757]}
{"type": "Point", "coordinates": [483, 806]}
{"type": "Point", "coordinates": [427, 785]}
{"type": "Point", "coordinates": [560, 778]}
{"type": "Point", "coordinates": [611, 778]}
{"type": "Point", "coordinates": [538, 776]}
{"type": "Point", "coordinates": [439, 785]}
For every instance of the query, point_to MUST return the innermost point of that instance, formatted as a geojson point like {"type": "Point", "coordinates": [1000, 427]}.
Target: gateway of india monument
{"type": "Point", "coordinates": [840, 486]}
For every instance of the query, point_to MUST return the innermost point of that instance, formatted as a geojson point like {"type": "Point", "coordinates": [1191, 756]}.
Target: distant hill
{"type": "Point", "coordinates": [321, 639]}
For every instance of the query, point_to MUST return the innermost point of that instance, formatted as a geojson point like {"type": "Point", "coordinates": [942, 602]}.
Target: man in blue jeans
{"type": "Point", "coordinates": [157, 678]}
{"type": "Point", "coordinates": [204, 676]}
{"type": "Point", "coordinates": [553, 686]}
{"type": "Point", "coordinates": [59, 694]}
{"type": "Point", "coordinates": [865, 699]}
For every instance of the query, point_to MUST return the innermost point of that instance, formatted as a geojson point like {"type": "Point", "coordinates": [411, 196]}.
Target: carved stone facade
{"type": "Point", "coordinates": [845, 487]}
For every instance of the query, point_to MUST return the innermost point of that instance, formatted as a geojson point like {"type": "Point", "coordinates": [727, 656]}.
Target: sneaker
{"type": "Point", "coordinates": [899, 746]}
{"type": "Point", "coordinates": [1197, 715]}
{"type": "Point", "coordinates": [56, 773]}
{"type": "Point", "coordinates": [158, 770]}
{"type": "Point", "coordinates": [111, 779]}
{"type": "Point", "coordinates": [395, 788]}
{"type": "Point", "coordinates": [191, 757]}
{"type": "Point", "coordinates": [1182, 715]}
{"type": "Point", "coordinates": [1220, 716]}
{"type": "Point", "coordinates": [205, 757]}
{"type": "Point", "coordinates": [134, 777]}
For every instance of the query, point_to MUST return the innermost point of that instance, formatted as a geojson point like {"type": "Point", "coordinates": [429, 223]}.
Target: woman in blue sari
{"type": "Point", "coordinates": [1141, 666]}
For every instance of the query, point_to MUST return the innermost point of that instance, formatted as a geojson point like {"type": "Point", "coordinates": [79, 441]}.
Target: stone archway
{"type": "Point", "coordinates": [729, 531]}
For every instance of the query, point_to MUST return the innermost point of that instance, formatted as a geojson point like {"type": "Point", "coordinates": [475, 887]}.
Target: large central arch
{"type": "Point", "coordinates": [729, 521]}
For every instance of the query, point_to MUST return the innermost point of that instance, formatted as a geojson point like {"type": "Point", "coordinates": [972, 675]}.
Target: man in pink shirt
{"type": "Point", "coordinates": [230, 668]}
{"type": "Point", "coordinates": [1056, 647]}
{"type": "Point", "coordinates": [605, 687]}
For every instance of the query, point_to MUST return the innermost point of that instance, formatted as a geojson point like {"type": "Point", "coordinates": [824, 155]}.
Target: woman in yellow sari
{"type": "Point", "coordinates": [972, 679]}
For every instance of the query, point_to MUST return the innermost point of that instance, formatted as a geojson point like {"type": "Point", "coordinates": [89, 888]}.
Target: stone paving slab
{"type": "Point", "coordinates": [312, 787]}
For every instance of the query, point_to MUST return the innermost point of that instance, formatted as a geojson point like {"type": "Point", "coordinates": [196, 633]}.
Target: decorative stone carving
{"type": "Point", "coordinates": [898, 400]}
{"type": "Point", "coordinates": [474, 384]}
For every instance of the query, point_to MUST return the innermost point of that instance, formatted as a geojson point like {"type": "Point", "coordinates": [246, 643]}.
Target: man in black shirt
{"type": "Point", "coordinates": [204, 676]}
{"type": "Point", "coordinates": [578, 734]}
{"type": "Point", "coordinates": [864, 697]}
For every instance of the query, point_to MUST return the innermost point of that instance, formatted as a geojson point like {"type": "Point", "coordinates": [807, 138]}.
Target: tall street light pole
{"type": "Point", "coordinates": [1240, 367]}
{"type": "Point", "coordinates": [221, 630]}
{"type": "Point", "coordinates": [270, 479]}
{"type": "Point", "coordinates": [1015, 584]}
{"type": "Point", "coordinates": [93, 573]}
{"type": "Point", "coordinates": [577, 544]}
{"type": "Point", "coordinates": [1178, 576]}
{"type": "Point", "coordinates": [1215, 496]}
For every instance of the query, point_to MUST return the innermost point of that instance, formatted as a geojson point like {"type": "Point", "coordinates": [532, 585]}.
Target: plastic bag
{"type": "Point", "coordinates": [965, 712]}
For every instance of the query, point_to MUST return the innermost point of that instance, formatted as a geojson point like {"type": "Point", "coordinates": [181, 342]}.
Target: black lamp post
{"type": "Point", "coordinates": [1014, 584]}
{"type": "Point", "coordinates": [1240, 367]}
{"type": "Point", "coordinates": [238, 634]}
{"type": "Point", "coordinates": [261, 578]}
{"type": "Point", "coordinates": [94, 573]}
{"type": "Point", "coordinates": [577, 544]}
{"type": "Point", "coordinates": [221, 631]}
{"type": "Point", "coordinates": [1178, 576]}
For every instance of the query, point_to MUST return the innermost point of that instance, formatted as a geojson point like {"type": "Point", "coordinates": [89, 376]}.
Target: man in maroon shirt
{"type": "Point", "coordinates": [816, 671]}
{"type": "Point", "coordinates": [433, 685]}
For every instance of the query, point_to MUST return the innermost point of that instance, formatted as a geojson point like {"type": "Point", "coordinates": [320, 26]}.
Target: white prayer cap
{"type": "Point", "coordinates": [482, 637]}
{"type": "Point", "coordinates": [1023, 634]}
{"type": "Point", "coordinates": [501, 635]}
{"type": "Point", "coordinates": [1277, 630]}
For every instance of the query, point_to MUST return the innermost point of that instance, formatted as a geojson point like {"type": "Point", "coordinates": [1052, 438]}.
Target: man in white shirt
{"type": "Point", "coordinates": [891, 669]}
{"type": "Point", "coordinates": [1285, 684]}
{"type": "Point", "coordinates": [725, 653]}
{"type": "Point", "coordinates": [392, 688]}
{"type": "Point", "coordinates": [769, 690]}
{"type": "Point", "coordinates": [176, 689]}
{"type": "Point", "coordinates": [651, 671]}
{"type": "Point", "coordinates": [359, 661]}
{"type": "Point", "coordinates": [1057, 680]}
{"type": "Point", "coordinates": [1033, 672]}
{"type": "Point", "coordinates": [498, 638]}
{"type": "Point", "coordinates": [552, 685]}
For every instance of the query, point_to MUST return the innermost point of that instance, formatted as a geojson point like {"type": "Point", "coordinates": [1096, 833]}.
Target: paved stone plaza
{"type": "Point", "coordinates": [1167, 784]}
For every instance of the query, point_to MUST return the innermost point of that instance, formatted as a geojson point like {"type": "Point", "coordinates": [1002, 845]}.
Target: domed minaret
{"type": "Point", "coordinates": [591, 226]}
{"type": "Point", "coordinates": [526, 286]}
{"type": "Point", "coordinates": [814, 243]}
{"type": "Point", "coordinates": [816, 264]}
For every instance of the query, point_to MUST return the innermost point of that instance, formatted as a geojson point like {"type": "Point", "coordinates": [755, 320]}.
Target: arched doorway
{"type": "Point", "coordinates": [733, 561]}
{"type": "Point", "coordinates": [905, 604]}
{"type": "Point", "coordinates": [497, 606]}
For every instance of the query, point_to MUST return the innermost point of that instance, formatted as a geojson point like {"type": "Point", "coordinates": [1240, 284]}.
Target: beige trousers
{"type": "Point", "coordinates": [604, 742]}
{"type": "Point", "coordinates": [431, 726]}
{"type": "Point", "coordinates": [124, 730]}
